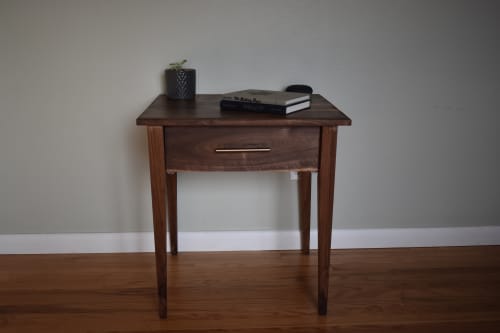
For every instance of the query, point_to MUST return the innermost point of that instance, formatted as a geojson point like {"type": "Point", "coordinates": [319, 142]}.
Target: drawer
{"type": "Point", "coordinates": [241, 148]}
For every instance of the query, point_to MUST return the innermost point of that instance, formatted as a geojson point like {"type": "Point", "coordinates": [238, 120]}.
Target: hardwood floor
{"type": "Point", "coordinates": [454, 289]}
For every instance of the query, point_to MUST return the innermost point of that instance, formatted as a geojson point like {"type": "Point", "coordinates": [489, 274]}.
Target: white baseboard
{"type": "Point", "coordinates": [248, 240]}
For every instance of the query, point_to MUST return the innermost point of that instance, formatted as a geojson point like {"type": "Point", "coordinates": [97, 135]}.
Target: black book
{"type": "Point", "coordinates": [266, 97]}
{"type": "Point", "coordinates": [264, 108]}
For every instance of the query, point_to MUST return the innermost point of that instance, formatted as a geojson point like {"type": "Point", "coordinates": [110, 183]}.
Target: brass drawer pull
{"type": "Point", "coordinates": [241, 150]}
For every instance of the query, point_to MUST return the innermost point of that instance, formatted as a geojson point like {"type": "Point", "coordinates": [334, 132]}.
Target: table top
{"type": "Point", "coordinates": [204, 110]}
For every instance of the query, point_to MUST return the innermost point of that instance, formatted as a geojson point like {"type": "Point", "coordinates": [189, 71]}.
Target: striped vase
{"type": "Point", "coordinates": [181, 83]}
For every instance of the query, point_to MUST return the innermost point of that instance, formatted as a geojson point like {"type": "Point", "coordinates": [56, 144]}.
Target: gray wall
{"type": "Point", "coordinates": [420, 80]}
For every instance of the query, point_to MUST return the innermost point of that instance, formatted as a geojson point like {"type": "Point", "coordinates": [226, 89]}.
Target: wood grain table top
{"type": "Point", "coordinates": [204, 110]}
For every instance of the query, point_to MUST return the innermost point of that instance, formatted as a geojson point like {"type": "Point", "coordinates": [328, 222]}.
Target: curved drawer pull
{"type": "Point", "coordinates": [241, 150]}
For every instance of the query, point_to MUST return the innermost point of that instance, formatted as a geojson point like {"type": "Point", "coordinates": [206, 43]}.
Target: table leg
{"type": "Point", "coordinates": [326, 178]}
{"type": "Point", "coordinates": [304, 210]}
{"type": "Point", "coordinates": [158, 184]}
{"type": "Point", "coordinates": [172, 210]}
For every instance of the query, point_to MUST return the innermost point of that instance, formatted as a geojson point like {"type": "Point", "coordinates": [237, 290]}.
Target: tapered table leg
{"type": "Point", "coordinates": [326, 178]}
{"type": "Point", "coordinates": [304, 210]}
{"type": "Point", "coordinates": [158, 183]}
{"type": "Point", "coordinates": [172, 210]}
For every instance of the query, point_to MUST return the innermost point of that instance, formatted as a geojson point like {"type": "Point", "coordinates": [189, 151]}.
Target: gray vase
{"type": "Point", "coordinates": [181, 83]}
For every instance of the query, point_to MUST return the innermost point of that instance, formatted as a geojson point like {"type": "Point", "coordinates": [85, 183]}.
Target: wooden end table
{"type": "Point", "coordinates": [195, 135]}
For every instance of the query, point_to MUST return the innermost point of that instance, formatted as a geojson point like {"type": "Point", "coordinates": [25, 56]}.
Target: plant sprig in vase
{"type": "Point", "coordinates": [181, 82]}
{"type": "Point", "coordinates": [177, 65]}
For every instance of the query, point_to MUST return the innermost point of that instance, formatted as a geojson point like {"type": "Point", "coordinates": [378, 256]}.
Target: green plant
{"type": "Point", "coordinates": [177, 65]}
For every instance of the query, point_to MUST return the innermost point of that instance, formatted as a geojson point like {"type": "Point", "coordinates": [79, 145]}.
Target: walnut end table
{"type": "Point", "coordinates": [195, 135]}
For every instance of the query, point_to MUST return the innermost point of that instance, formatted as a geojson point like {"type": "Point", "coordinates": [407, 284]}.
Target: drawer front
{"type": "Point", "coordinates": [241, 148]}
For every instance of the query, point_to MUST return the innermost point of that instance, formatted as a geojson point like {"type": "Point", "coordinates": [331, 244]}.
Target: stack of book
{"type": "Point", "coordinates": [267, 101]}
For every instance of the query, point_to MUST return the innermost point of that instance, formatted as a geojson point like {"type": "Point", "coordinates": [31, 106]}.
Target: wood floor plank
{"type": "Point", "coordinates": [455, 289]}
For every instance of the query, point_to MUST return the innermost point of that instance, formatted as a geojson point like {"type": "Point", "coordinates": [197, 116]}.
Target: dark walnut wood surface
{"type": "Point", "coordinates": [195, 135]}
{"type": "Point", "coordinates": [212, 148]}
{"type": "Point", "coordinates": [205, 111]}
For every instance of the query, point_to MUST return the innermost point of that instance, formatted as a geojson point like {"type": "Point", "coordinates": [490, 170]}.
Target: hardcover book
{"type": "Point", "coordinates": [231, 105]}
{"type": "Point", "coordinates": [270, 97]}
